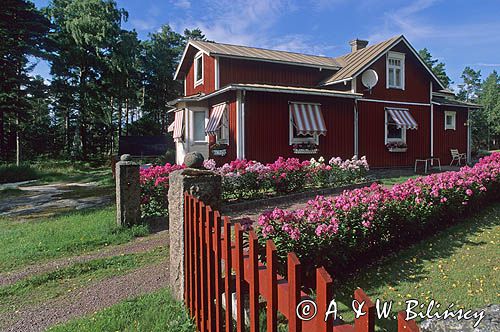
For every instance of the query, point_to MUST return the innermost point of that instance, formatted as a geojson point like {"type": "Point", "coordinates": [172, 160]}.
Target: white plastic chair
{"type": "Point", "coordinates": [457, 156]}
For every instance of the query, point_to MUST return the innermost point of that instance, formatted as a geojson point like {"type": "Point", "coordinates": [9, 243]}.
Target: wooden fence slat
{"type": "Point", "coordinates": [218, 271]}
{"type": "Point", "coordinates": [294, 285]}
{"type": "Point", "coordinates": [228, 274]}
{"type": "Point", "coordinates": [240, 314]}
{"type": "Point", "coordinates": [406, 326]}
{"type": "Point", "coordinates": [186, 250]}
{"type": "Point", "coordinates": [324, 291]}
{"type": "Point", "coordinates": [272, 283]}
{"type": "Point", "coordinates": [365, 323]}
{"type": "Point", "coordinates": [254, 281]}
{"type": "Point", "coordinates": [203, 276]}
{"type": "Point", "coordinates": [187, 254]}
{"type": "Point", "coordinates": [210, 269]}
{"type": "Point", "coordinates": [196, 260]}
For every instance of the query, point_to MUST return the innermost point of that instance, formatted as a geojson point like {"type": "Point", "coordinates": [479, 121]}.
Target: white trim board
{"type": "Point", "coordinates": [393, 102]}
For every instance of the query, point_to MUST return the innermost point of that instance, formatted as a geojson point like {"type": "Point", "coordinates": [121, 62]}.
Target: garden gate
{"type": "Point", "coordinates": [216, 267]}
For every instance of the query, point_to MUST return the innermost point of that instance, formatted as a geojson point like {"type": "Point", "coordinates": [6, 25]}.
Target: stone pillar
{"type": "Point", "coordinates": [128, 192]}
{"type": "Point", "coordinates": [202, 184]}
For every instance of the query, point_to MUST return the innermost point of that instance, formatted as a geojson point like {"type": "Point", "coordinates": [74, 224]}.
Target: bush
{"type": "Point", "coordinates": [12, 173]}
{"type": "Point", "coordinates": [336, 232]}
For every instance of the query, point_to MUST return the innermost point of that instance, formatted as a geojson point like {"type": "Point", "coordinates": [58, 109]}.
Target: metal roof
{"type": "Point", "coordinates": [264, 54]}
{"type": "Point", "coordinates": [438, 100]}
{"type": "Point", "coordinates": [352, 63]}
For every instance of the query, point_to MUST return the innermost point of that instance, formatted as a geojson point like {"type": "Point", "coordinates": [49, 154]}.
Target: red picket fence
{"type": "Point", "coordinates": [216, 267]}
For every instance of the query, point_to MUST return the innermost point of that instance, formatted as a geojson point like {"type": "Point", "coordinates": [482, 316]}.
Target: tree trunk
{"type": "Point", "coordinates": [126, 109]}
{"type": "Point", "coordinates": [2, 152]}
{"type": "Point", "coordinates": [18, 141]}
{"type": "Point", "coordinates": [112, 129]}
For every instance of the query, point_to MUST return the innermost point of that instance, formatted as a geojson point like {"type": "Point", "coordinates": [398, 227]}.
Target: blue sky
{"type": "Point", "coordinates": [459, 33]}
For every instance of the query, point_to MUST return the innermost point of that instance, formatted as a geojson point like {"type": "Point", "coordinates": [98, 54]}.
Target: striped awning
{"type": "Point", "coordinates": [177, 126]}
{"type": "Point", "coordinates": [215, 119]}
{"type": "Point", "coordinates": [402, 118]}
{"type": "Point", "coordinates": [308, 119]}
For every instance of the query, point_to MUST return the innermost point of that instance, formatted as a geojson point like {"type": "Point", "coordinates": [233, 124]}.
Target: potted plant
{"type": "Point", "coordinates": [305, 148]}
{"type": "Point", "coordinates": [397, 146]}
{"type": "Point", "coordinates": [219, 150]}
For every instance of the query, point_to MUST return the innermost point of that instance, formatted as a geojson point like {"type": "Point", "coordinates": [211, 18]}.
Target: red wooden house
{"type": "Point", "coordinates": [380, 101]}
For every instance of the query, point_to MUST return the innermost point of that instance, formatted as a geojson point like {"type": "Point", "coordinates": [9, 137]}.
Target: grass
{"type": "Point", "coordinates": [154, 312]}
{"type": "Point", "coordinates": [57, 171]}
{"type": "Point", "coordinates": [24, 243]}
{"type": "Point", "coordinates": [49, 285]}
{"type": "Point", "coordinates": [458, 265]}
{"type": "Point", "coordinates": [396, 180]}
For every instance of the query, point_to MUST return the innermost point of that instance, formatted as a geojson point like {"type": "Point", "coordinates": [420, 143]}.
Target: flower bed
{"type": "Point", "coordinates": [249, 179]}
{"type": "Point", "coordinates": [361, 223]}
{"type": "Point", "coordinates": [154, 189]}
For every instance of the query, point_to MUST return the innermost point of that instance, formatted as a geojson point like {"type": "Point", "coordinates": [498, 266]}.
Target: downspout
{"type": "Point", "coordinates": [432, 123]}
{"type": "Point", "coordinates": [469, 129]}
{"type": "Point", "coordinates": [356, 129]}
{"type": "Point", "coordinates": [243, 143]}
{"type": "Point", "coordinates": [238, 125]}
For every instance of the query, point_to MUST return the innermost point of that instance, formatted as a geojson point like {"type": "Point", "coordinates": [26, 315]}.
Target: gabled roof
{"type": "Point", "coordinates": [260, 54]}
{"type": "Point", "coordinates": [355, 63]}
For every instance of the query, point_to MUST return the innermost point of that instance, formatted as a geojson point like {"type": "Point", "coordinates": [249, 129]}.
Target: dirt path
{"type": "Point", "coordinates": [88, 300]}
{"type": "Point", "coordinates": [139, 245]}
{"type": "Point", "coordinates": [47, 200]}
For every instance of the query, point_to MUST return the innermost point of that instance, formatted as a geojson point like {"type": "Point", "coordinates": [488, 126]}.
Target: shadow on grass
{"type": "Point", "coordinates": [409, 265]}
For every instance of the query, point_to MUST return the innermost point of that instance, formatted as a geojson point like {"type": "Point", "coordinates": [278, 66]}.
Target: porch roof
{"type": "Point", "coordinates": [439, 100]}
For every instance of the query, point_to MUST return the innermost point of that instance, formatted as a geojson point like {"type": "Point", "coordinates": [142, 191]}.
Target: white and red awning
{"type": "Point", "coordinates": [402, 118]}
{"type": "Point", "coordinates": [177, 125]}
{"type": "Point", "coordinates": [215, 119]}
{"type": "Point", "coordinates": [308, 119]}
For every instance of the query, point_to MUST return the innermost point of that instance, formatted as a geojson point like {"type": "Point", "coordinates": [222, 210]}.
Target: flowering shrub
{"type": "Point", "coordinates": [154, 189]}
{"type": "Point", "coordinates": [251, 179]}
{"type": "Point", "coordinates": [337, 231]}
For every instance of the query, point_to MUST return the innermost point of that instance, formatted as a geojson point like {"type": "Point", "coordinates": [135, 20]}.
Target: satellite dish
{"type": "Point", "coordinates": [369, 78]}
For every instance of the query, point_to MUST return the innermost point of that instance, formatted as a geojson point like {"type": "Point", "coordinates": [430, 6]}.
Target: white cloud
{"type": "Point", "coordinates": [183, 4]}
{"type": "Point", "coordinates": [143, 25]}
{"type": "Point", "coordinates": [481, 64]}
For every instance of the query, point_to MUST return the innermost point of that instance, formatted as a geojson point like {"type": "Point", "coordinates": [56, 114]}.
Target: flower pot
{"type": "Point", "coordinates": [397, 149]}
{"type": "Point", "coordinates": [305, 151]}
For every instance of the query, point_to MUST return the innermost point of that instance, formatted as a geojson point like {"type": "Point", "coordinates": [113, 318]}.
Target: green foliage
{"type": "Point", "coordinates": [12, 173]}
{"type": "Point", "coordinates": [438, 68]}
{"type": "Point", "coordinates": [29, 242]}
{"type": "Point", "coordinates": [155, 312]}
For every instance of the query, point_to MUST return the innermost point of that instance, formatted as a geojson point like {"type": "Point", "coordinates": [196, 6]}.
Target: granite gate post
{"type": "Point", "coordinates": [128, 192]}
{"type": "Point", "coordinates": [202, 184]}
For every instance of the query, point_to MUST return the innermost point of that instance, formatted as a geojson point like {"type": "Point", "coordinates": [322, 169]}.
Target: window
{"type": "Point", "coordinates": [392, 132]}
{"type": "Point", "coordinates": [199, 127]}
{"type": "Point", "coordinates": [198, 69]}
{"type": "Point", "coordinates": [223, 131]}
{"type": "Point", "coordinates": [450, 119]}
{"type": "Point", "coordinates": [295, 138]}
{"type": "Point", "coordinates": [396, 70]}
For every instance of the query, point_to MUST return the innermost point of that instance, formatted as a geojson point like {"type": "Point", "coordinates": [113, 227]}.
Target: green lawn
{"type": "Point", "coordinates": [396, 180]}
{"type": "Point", "coordinates": [49, 285]}
{"type": "Point", "coordinates": [459, 265]}
{"type": "Point", "coordinates": [154, 312]}
{"type": "Point", "coordinates": [24, 243]}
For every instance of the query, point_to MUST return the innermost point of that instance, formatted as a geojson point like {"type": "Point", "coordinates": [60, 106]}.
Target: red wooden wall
{"type": "Point", "coordinates": [230, 99]}
{"type": "Point", "coordinates": [444, 140]}
{"type": "Point", "coordinates": [267, 126]}
{"type": "Point", "coordinates": [417, 80]}
{"type": "Point", "coordinates": [244, 71]}
{"type": "Point", "coordinates": [372, 135]}
{"type": "Point", "coordinates": [208, 84]}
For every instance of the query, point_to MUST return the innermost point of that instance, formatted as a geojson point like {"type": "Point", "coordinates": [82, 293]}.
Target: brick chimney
{"type": "Point", "coordinates": [357, 44]}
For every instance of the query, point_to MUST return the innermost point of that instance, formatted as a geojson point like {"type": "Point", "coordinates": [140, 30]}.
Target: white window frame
{"type": "Point", "coordinates": [191, 126]}
{"type": "Point", "coordinates": [222, 135]}
{"type": "Point", "coordinates": [403, 130]}
{"type": "Point", "coordinates": [401, 58]}
{"type": "Point", "coordinates": [453, 125]}
{"type": "Point", "coordinates": [196, 57]}
{"type": "Point", "coordinates": [299, 139]}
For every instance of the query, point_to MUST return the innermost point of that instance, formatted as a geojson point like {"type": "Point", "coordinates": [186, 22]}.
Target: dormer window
{"type": "Point", "coordinates": [198, 69]}
{"type": "Point", "coordinates": [395, 70]}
